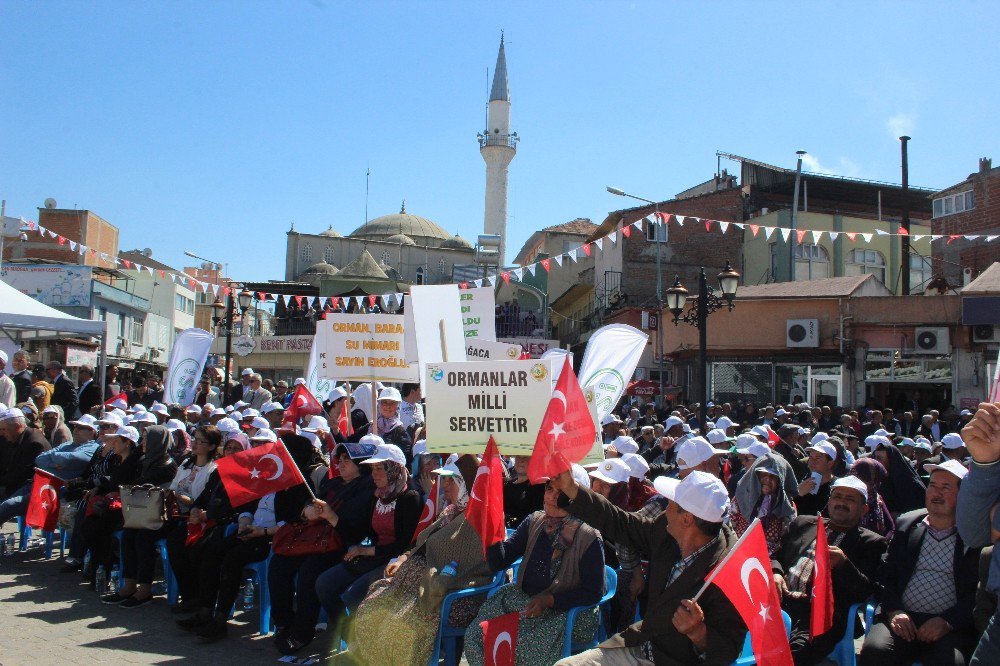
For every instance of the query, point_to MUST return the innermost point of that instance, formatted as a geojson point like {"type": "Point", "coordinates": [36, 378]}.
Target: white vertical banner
{"type": "Point", "coordinates": [436, 334]}
{"type": "Point", "coordinates": [187, 362]}
{"type": "Point", "coordinates": [994, 392]}
{"type": "Point", "coordinates": [479, 313]}
{"type": "Point", "coordinates": [319, 380]}
{"type": "Point", "coordinates": [612, 354]}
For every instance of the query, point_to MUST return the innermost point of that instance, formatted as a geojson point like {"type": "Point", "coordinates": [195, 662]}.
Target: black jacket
{"type": "Point", "coordinates": [64, 395]}
{"type": "Point", "coordinates": [17, 459]}
{"type": "Point", "coordinates": [901, 560]}
{"type": "Point", "coordinates": [22, 385]}
{"type": "Point", "coordinates": [90, 397]}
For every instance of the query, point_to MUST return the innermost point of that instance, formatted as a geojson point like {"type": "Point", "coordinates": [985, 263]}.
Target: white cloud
{"type": "Point", "coordinates": [844, 166]}
{"type": "Point", "coordinates": [901, 124]}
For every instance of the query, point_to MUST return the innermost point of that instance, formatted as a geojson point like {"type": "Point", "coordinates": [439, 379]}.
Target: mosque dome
{"type": "Point", "coordinates": [420, 230]}
{"type": "Point", "coordinates": [401, 239]}
{"type": "Point", "coordinates": [320, 268]}
{"type": "Point", "coordinates": [456, 242]}
{"type": "Point", "coordinates": [331, 233]}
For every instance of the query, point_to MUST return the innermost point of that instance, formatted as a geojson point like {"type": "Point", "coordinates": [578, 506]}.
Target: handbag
{"type": "Point", "coordinates": [143, 507]}
{"type": "Point", "coordinates": [310, 538]}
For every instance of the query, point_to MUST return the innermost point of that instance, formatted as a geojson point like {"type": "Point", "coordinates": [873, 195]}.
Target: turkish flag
{"type": "Point", "coordinates": [303, 403]}
{"type": "Point", "coordinates": [821, 620]}
{"type": "Point", "coordinates": [500, 639]}
{"type": "Point", "coordinates": [745, 578]}
{"type": "Point", "coordinates": [772, 437]}
{"type": "Point", "coordinates": [567, 433]}
{"type": "Point", "coordinates": [429, 513]}
{"type": "Point", "coordinates": [251, 474]}
{"type": "Point", "coordinates": [43, 506]}
{"type": "Point", "coordinates": [344, 421]}
{"type": "Point", "coordinates": [485, 508]}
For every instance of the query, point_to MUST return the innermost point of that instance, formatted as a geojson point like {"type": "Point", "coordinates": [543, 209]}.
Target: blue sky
{"type": "Point", "coordinates": [212, 126]}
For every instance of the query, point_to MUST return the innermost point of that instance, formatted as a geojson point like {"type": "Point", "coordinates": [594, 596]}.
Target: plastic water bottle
{"type": "Point", "coordinates": [10, 544]}
{"type": "Point", "coordinates": [101, 580]}
{"type": "Point", "coordinates": [248, 594]}
{"type": "Point", "coordinates": [116, 580]}
{"type": "Point", "coordinates": [86, 562]}
{"type": "Point", "coordinates": [450, 569]}
{"type": "Point", "coordinates": [3, 547]}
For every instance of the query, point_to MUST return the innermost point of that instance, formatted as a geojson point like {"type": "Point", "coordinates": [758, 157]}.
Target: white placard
{"type": "Point", "coordinates": [487, 350]}
{"type": "Point", "coordinates": [362, 347]}
{"type": "Point", "coordinates": [431, 308]}
{"type": "Point", "coordinates": [468, 402]}
{"type": "Point", "coordinates": [318, 379]}
{"type": "Point", "coordinates": [479, 313]}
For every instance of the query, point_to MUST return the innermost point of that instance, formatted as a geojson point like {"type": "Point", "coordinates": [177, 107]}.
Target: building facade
{"type": "Point", "coordinates": [970, 207]}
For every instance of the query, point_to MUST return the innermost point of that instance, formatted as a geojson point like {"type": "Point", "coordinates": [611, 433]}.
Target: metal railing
{"type": "Point", "coordinates": [505, 140]}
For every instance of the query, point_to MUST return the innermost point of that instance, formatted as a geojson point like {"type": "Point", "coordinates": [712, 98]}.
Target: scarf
{"type": "Point", "coordinates": [388, 425]}
{"type": "Point", "coordinates": [749, 493]}
{"type": "Point", "coordinates": [396, 482]}
{"type": "Point", "coordinates": [561, 533]}
{"type": "Point", "coordinates": [878, 519]}
{"type": "Point", "coordinates": [157, 440]}
{"type": "Point", "coordinates": [239, 437]}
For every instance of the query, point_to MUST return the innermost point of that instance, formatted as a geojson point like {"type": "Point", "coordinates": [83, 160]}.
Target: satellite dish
{"type": "Point", "coordinates": [50, 203]}
{"type": "Point", "coordinates": [147, 252]}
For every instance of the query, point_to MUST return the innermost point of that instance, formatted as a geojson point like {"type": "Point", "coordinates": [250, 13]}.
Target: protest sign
{"type": "Point", "coordinates": [479, 313]}
{"type": "Point", "coordinates": [434, 322]}
{"type": "Point", "coordinates": [488, 350]}
{"type": "Point", "coordinates": [468, 402]}
{"type": "Point", "coordinates": [362, 347]}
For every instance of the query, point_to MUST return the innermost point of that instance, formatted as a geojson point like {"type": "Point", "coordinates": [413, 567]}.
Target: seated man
{"type": "Point", "coordinates": [927, 583]}
{"type": "Point", "coordinates": [19, 446]}
{"type": "Point", "coordinates": [814, 496]}
{"type": "Point", "coordinates": [683, 544]}
{"type": "Point", "coordinates": [855, 554]}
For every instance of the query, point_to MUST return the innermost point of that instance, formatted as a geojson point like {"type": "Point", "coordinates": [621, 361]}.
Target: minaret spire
{"type": "Point", "coordinates": [498, 145]}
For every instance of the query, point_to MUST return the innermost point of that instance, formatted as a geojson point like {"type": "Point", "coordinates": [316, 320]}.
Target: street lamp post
{"type": "Point", "coordinates": [223, 317]}
{"type": "Point", "coordinates": [697, 315]}
{"type": "Point", "coordinates": [659, 276]}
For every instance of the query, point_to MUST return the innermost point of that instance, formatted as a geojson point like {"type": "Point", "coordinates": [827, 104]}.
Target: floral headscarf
{"type": "Point", "coordinates": [397, 479]}
{"type": "Point", "coordinates": [878, 519]}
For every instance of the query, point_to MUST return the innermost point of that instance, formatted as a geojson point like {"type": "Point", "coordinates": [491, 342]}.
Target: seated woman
{"type": "Point", "coordinates": [902, 489]}
{"type": "Point", "coordinates": [562, 567]}
{"type": "Point", "coordinates": [343, 503]}
{"type": "Point", "coordinates": [392, 518]}
{"type": "Point", "coordinates": [390, 428]}
{"type": "Point", "coordinates": [877, 519]}
{"type": "Point", "coordinates": [180, 440]}
{"type": "Point", "coordinates": [397, 622]}
{"type": "Point", "coordinates": [54, 426]}
{"type": "Point", "coordinates": [223, 558]}
{"type": "Point", "coordinates": [766, 491]}
{"type": "Point", "coordinates": [139, 553]}
{"type": "Point", "coordinates": [521, 498]}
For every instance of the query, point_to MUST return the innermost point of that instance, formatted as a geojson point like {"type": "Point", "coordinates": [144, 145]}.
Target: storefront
{"type": "Point", "coordinates": [819, 382]}
{"type": "Point", "coordinates": [908, 381]}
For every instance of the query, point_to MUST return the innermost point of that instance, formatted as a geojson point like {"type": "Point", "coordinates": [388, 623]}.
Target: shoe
{"type": "Point", "coordinates": [289, 645]}
{"type": "Point", "coordinates": [135, 602]}
{"type": "Point", "coordinates": [193, 623]}
{"type": "Point", "coordinates": [71, 566]}
{"type": "Point", "coordinates": [183, 608]}
{"type": "Point", "coordinates": [114, 599]}
{"type": "Point", "coordinates": [213, 630]}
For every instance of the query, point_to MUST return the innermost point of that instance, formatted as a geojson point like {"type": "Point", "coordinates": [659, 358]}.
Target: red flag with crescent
{"type": "Point", "coordinates": [485, 509]}
{"type": "Point", "coordinates": [500, 640]}
{"type": "Point", "coordinates": [251, 474]}
{"type": "Point", "coordinates": [821, 617]}
{"type": "Point", "coordinates": [303, 403]}
{"type": "Point", "coordinates": [567, 432]}
{"type": "Point", "coordinates": [745, 578]}
{"type": "Point", "coordinates": [429, 513]}
{"type": "Point", "coordinates": [43, 507]}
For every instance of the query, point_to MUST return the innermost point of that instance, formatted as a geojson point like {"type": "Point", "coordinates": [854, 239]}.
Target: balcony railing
{"type": "Point", "coordinates": [119, 296]}
{"type": "Point", "coordinates": [504, 140]}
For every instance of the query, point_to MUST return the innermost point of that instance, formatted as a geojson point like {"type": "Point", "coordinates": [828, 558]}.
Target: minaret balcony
{"type": "Point", "coordinates": [503, 140]}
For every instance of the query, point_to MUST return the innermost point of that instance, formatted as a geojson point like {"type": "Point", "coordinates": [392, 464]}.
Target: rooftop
{"type": "Point", "coordinates": [837, 287]}
{"type": "Point", "coordinates": [988, 282]}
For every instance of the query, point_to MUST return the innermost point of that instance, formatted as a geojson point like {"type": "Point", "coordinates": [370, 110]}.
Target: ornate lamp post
{"type": "Point", "coordinates": [223, 318]}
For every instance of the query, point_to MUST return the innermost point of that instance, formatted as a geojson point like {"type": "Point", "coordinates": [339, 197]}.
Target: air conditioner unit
{"type": "Point", "coordinates": [985, 333]}
{"type": "Point", "coordinates": [802, 333]}
{"type": "Point", "coordinates": [931, 340]}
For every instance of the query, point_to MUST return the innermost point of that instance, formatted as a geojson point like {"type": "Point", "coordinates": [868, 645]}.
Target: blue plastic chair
{"type": "Point", "coordinates": [173, 590]}
{"type": "Point", "coordinates": [447, 634]}
{"type": "Point", "coordinates": [746, 657]}
{"type": "Point", "coordinates": [259, 571]}
{"type": "Point", "coordinates": [870, 619]}
{"type": "Point", "coordinates": [843, 654]}
{"type": "Point", "coordinates": [50, 541]}
{"type": "Point", "coordinates": [570, 647]}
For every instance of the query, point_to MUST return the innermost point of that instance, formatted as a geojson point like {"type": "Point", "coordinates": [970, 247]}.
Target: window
{"type": "Point", "coordinates": [812, 262]}
{"type": "Point", "coordinates": [307, 253]}
{"type": "Point", "coordinates": [953, 203]}
{"type": "Point", "coordinates": [656, 231]}
{"type": "Point", "coordinates": [418, 276]}
{"type": "Point", "coordinates": [183, 304]}
{"type": "Point", "coordinates": [122, 324]}
{"type": "Point", "coordinates": [442, 266]}
{"type": "Point", "coordinates": [137, 331]}
{"type": "Point", "coordinates": [569, 246]}
{"type": "Point", "coordinates": [102, 313]}
{"type": "Point", "coordinates": [385, 257]}
{"type": "Point", "coordinates": [920, 272]}
{"type": "Point", "coordinates": [865, 262]}
{"type": "Point", "coordinates": [328, 254]}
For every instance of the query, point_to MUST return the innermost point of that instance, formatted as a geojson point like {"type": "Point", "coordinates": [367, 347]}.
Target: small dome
{"type": "Point", "coordinates": [456, 242]}
{"type": "Point", "coordinates": [330, 233]}
{"type": "Point", "coordinates": [400, 239]}
{"type": "Point", "coordinates": [421, 230]}
{"type": "Point", "coordinates": [321, 268]}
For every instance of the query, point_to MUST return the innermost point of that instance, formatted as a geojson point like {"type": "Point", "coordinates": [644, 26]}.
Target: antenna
{"type": "Point", "coordinates": [487, 123]}
{"type": "Point", "coordinates": [368, 175]}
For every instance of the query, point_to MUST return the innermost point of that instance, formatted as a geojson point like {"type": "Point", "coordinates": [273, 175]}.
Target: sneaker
{"type": "Point", "coordinates": [213, 630]}
{"type": "Point", "coordinates": [135, 602]}
{"type": "Point", "coordinates": [71, 565]}
{"type": "Point", "coordinates": [114, 599]}
{"type": "Point", "coordinates": [193, 623]}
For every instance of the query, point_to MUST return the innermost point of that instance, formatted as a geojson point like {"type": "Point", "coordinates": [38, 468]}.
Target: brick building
{"type": "Point", "coordinates": [78, 226]}
{"type": "Point", "coordinates": [969, 207]}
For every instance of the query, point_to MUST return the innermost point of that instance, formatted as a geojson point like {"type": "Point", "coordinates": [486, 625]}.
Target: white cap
{"type": "Point", "coordinates": [637, 465]}
{"type": "Point", "coordinates": [218, 411]}
{"type": "Point", "coordinates": [952, 441]}
{"type": "Point", "coordinates": [228, 408]}
{"type": "Point", "coordinates": [86, 420]}
{"type": "Point", "coordinates": [608, 420]}
{"type": "Point", "coordinates": [385, 452]}
{"type": "Point", "coordinates": [11, 413]}
{"type": "Point", "coordinates": [264, 435]}
{"type": "Point", "coordinates": [881, 432]}
{"type": "Point", "coordinates": [694, 451]}
{"type": "Point", "coordinates": [420, 447]}
{"type": "Point", "coordinates": [159, 408]}
{"type": "Point", "coordinates": [227, 425]}
{"type": "Point", "coordinates": [337, 393]}
{"type": "Point", "coordinates": [250, 412]}
{"type": "Point", "coordinates": [246, 371]}
{"type": "Point", "coordinates": [236, 415]}
{"type": "Point", "coordinates": [110, 419]}
{"type": "Point", "coordinates": [875, 441]}
{"type": "Point", "coordinates": [819, 437]}
{"type": "Point", "coordinates": [760, 431]}
{"type": "Point", "coordinates": [851, 482]}
{"type": "Point", "coordinates": [612, 471]}
{"type": "Point", "coordinates": [174, 425]}
{"type": "Point", "coordinates": [802, 431]}
{"type": "Point", "coordinates": [269, 407]}
{"type": "Point", "coordinates": [390, 393]}
{"type": "Point", "coordinates": [129, 433]}
{"type": "Point", "coordinates": [299, 381]}
{"type": "Point", "coordinates": [686, 428]}
{"type": "Point", "coordinates": [717, 436]}
{"type": "Point", "coordinates": [700, 493]}
{"type": "Point", "coordinates": [824, 447]}
{"type": "Point", "coordinates": [449, 469]}
{"type": "Point", "coordinates": [624, 444]}
{"type": "Point", "coordinates": [51, 409]}
{"type": "Point", "coordinates": [580, 475]}
{"type": "Point", "coordinates": [240, 404]}
{"type": "Point", "coordinates": [724, 423]}
{"type": "Point", "coordinates": [144, 417]}
{"type": "Point", "coordinates": [951, 466]}
{"type": "Point", "coordinates": [923, 445]}
{"type": "Point", "coordinates": [119, 404]}
{"type": "Point", "coordinates": [965, 412]}
{"type": "Point", "coordinates": [260, 422]}
{"type": "Point", "coordinates": [193, 409]}
{"type": "Point", "coordinates": [781, 412]}
{"type": "Point", "coordinates": [743, 442]}
{"type": "Point", "coordinates": [710, 425]}
{"type": "Point", "coordinates": [138, 407]}
{"type": "Point", "coordinates": [317, 423]}
{"type": "Point", "coordinates": [673, 421]}
{"type": "Point", "coordinates": [906, 441]}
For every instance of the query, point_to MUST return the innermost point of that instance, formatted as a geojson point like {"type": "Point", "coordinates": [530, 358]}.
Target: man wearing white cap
{"type": "Point", "coordinates": [814, 490]}
{"type": "Point", "coordinates": [855, 555]}
{"type": "Point", "coordinates": [621, 445]}
{"type": "Point", "coordinates": [926, 609]}
{"type": "Point", "coordinates": [611, 427]}
{"type": "Point", "coordinates": [696, 454]}
{"type": "Point", "coordinates": [684, 544]}
{"type": "Point", "coordinates": [8, 392]}
{"type": "Point", "coordinates": [274, 412]}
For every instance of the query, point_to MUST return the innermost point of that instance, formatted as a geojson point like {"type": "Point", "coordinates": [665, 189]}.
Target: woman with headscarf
{"type": "Point", "coordinates": [392, 518]}
{"type": "Point", "coordinates": [223, 558]}
{"type": "Point", "coordinates": [562, 567]}
{"type": "Point", "coordinates": [54, 426]}
{"type": "Point", "coordinates": [390, 426]}
{"type": "Point", "coordinates": [766, 491]}
{"type": "Point", "coordinates": [397, 622]}
{"type": "Point", "coordinates": [877, 519]}
{"type": "Point", "coordinates": [342, 502]}
{"type": "Point", "coordinates": [902, 489]}
{"type": "Point", "coordinates": [180, 440]}
{"type": "Point", "coordinates": [521, 497]}
{"type": "Point", "coordinates": [138, 547]}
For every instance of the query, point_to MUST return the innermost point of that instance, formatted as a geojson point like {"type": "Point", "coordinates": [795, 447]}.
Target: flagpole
{"type": "Point", "coordinates": [718, 567]}
{"type": "Point", "coordinates": [444, 344]}
{"type": "Point", "coordinates": [301, 475]}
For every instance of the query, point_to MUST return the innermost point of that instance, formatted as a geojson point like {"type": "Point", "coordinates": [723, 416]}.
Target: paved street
{"type": "Point", "coordinates": [49, 618]}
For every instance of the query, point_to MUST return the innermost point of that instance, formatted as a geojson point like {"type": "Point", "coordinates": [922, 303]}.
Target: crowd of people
{"type": "Point", "coordinates": [352, 552]}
